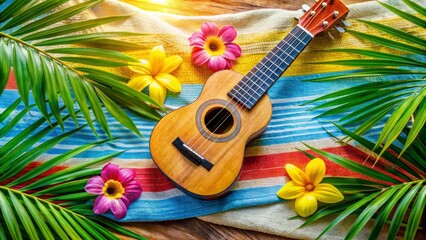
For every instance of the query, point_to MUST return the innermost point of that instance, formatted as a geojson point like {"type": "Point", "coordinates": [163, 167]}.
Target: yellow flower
{"type": "Point", "coordinates": [307, 189]}
{"type": "Point", "coordinates": [155, 72]}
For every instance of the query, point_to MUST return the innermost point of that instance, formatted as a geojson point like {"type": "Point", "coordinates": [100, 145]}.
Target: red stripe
{"type": "Point", "coordinates": [11, 83]}
{"type": "Point", "coordinates": [28, 168]}
{"type": "Point", "coordinates": [259, 167]}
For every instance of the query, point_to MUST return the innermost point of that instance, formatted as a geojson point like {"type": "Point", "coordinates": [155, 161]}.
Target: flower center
{"type": "Point", "coordinates": [309, 187]}
{"type": "Point", "coordinates": [113, 189]}
{"type": "Point", "coordinates": [214, 46]}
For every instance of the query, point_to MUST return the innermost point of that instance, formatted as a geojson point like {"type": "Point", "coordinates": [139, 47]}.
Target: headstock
{"type": "Point", "coordinates": [323, 15]}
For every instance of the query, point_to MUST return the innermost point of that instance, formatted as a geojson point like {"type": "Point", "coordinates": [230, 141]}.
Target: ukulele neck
{"type": "Point", "coordinates": [255, 84]}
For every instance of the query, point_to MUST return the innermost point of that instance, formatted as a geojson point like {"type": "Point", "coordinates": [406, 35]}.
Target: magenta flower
{"type": "Point", "coordinates": [214, 47]}
{"type": "Point", "coordinates": [116, 189]}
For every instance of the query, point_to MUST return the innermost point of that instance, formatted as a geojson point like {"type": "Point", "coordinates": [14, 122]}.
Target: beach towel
{"type": "Point", "coordinates": [291, 125]}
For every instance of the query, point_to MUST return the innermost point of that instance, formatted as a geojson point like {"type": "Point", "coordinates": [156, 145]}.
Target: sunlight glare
{"type": "Point", "coordinates": [159, 1]}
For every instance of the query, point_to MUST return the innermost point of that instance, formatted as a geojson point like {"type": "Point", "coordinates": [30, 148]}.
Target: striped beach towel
{"type": "Point", "coordinates": [263, 171]}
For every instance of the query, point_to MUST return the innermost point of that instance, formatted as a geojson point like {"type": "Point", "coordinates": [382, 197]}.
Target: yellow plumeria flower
{"type": "Point", "coordinates": [307, 189]}
{"type": "Point", "coordinates": [155, 72]}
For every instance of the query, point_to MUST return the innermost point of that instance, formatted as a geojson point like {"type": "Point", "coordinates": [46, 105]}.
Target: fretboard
{"type": "Point", "coordinates": [255, 84]}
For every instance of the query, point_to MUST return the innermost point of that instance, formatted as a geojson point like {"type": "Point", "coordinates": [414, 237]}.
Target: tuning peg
{"type": "Point", "coordinates": [305, 7]}
{"type": "Point", "coordinates": [335, 14]}
{"type": "Point", "coordinates": [346, 23]}
{"type": "Point", "coordinates": [340, 29]}
{"type": "Point", "coordinates": [330, 35]}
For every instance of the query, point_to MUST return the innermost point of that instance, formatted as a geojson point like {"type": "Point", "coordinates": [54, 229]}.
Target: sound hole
{"type": "Point", "coordinates": [219, 120]}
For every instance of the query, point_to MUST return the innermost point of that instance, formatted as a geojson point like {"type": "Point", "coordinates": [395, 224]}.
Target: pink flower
{"type": "Point", "coordinates": [214, 46]}
{"type": "Point", "coordinates": [116, 189]}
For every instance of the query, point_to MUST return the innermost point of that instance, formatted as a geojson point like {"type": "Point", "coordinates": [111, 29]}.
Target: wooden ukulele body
{"type": "Point", "coordinates": [215, 127]}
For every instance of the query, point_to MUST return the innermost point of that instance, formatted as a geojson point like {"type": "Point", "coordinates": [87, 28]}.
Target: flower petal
{"type": "Point", "coordinates": [228, 65]}
{"type": "Point", "coordinates": [290, 191]}
{"type": "Point", "coordinates": [197, 40]}
{"type": "Point", "coordinates": [110, 171]}
{"type": "Point", "coordinates": [315, 171]}
{"type": "Point", "coordinates": [169, 81]}
{"type": "Point", "coordinates": [209, 29]}
{"type": "Point", "coordinates": [217, 63]}
{"type": "Point", "coordinates": [125, 175]}
{"type": "Point", "coordinates": [101, 204]}
{"type": "Point", "coordinates": [228, 33]}
{"type": "Point", "coordinates": [144, 67]}
{"type": "Point", "coordinates": [140, 81]}
{"type": "Point", "coordinates": [95, 185]}
{"type": "Point", "coordinates": [198, 34]}
{"type": "Point", "coordinates": [156, 59]}
{"type": "Point", "coordinates": [199, 56]}
{"type": "Point", "coordinates": [233, 48]}
{"type": "Point", "coordinates": [118, 208]}
{"type": "Point", "coordinates": [171, 63]}
{"type": "Point", "coordinates": [306, 204]}
{"type": "Point", "coordinates": [229, 56]}
{"type": "Point", "coordinates": [132, 190]}
{"type": "Point", "coordinates": [157, 92]}
{"type": "Point", "coordinates": [297, 175]}
{"type": "Point", "coordinates": [126, 200]}
{"type": "Point", "coordinates": [327, 193]}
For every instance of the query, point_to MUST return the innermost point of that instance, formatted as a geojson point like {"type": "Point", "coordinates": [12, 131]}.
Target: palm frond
{"type": "Point", "coordinates": [42, 209]}
{"type": "Point", "coordinates": [407, 16]}
{"type": "Point", "coordinates": [395, 102]}
{"type": "Point", "coordinates": [50, 74]}
{"type": "Point", "coordinates": [386, 195]}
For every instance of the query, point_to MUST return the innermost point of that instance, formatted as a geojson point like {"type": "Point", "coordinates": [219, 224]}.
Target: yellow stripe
{"type": "Point", "coordinates": [256, 46]}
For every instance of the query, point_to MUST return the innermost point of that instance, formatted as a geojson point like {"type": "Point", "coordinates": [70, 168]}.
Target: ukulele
{"type": "Point", "coordinates": [200, 147]}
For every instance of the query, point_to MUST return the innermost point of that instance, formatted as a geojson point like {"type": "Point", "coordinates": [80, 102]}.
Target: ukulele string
{"type": "Point", "coordinates": [242, 106]}
{"type": "Point", "coordinates": [250, 87]}
{"type": "Point", "coordinates": [239, 108]}
{"type": "Point", "coordinates": [312, 18]}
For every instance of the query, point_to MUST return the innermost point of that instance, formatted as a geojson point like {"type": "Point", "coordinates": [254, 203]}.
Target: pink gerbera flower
{"type": "Point", "coordinates": [214, 46]}
{"type": "Point", "coordinates": [116, 189]}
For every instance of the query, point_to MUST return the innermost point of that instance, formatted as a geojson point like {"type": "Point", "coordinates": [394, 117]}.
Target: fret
{"type": "Point", "coordinates": [242, 84]}
{"type": "Point", "coordinates": [255, 84]}
{"type": "Point", "coordinates": [288, 55]}
{"type": "Point", "coordinates": [268, 77]}
{"type": "Point", "coordinates": [254, 74]}
{"type": "Point", "coordinates": [276, 75]}
{"type": "Point", "coordinates": [297, 38]}
{"type": "Point", "coordinates": [241, 99]}
{"type": "Point", "coordinates": [288, 44]}
{"type": "Point", "coordinates": [242, 88]}
{"type": "Point", "coordinates": [271, 71]}
{"type": "Point", "coordinates": [277, 66]}
{"type": "Point", "coordinates": [281, 55]}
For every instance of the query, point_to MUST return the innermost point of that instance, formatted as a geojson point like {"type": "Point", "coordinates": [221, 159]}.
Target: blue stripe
{"type": "Point", "coordinates": [293, 122]}
{"type": "Point", "coordinates": [185, 207]}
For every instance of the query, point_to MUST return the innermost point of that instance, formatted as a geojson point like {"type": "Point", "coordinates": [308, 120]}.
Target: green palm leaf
{"type": "Point", "coordinates": [416, 7]}
{"type": "Point", "coordinates": [409, 17]}
{"type": "Point", "coordinates": [49, 76]}
{"type": "Point", "coordinates": [395, 32]}
{"type": "Point", "coordinates": [393, 186]}
{"type": "Point", "coordinates": [29, 214]}
{"type": "Point", "coordinates": [414, 219]}
{"type": "Point", "coordinates": [391, 103]}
